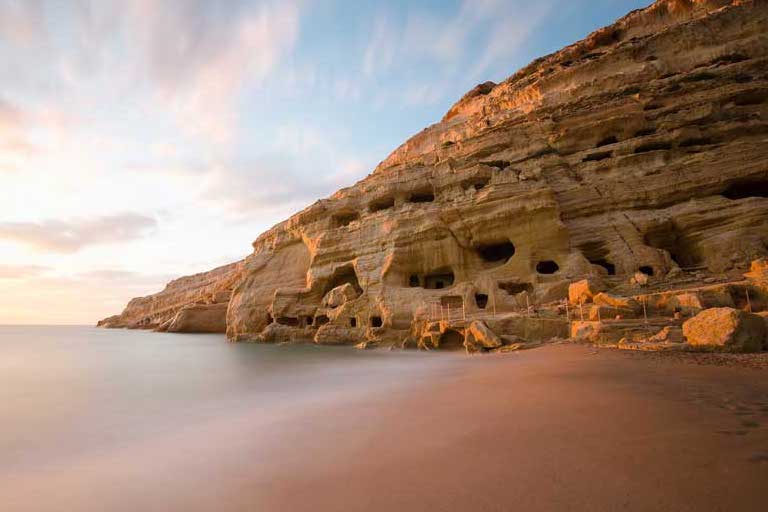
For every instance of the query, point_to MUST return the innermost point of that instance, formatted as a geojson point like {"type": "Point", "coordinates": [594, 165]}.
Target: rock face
{"type": "Point", "coordinates": [639, 149]}
{"type": "Point", "coordinates": [727, 328]}
{"type": "Point", "coordinates": [196, 303]}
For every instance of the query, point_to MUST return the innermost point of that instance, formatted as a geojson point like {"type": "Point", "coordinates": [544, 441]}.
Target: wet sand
{"type": "Point", "coordinates": [557, 428]}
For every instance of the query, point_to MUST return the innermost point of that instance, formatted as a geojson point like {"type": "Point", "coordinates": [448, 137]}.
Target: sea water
{"type": "Point", "coordinates": [98, 419]}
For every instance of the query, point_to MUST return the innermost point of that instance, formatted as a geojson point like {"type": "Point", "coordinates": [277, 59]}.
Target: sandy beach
{"type": "Point", "coordinates": [561, 427]}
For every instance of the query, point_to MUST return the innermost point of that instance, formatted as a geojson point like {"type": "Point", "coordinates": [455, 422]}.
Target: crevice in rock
{"type": "Point", "coordinates": [478, 183]}
{"type": "Point", "coordinates": [746, 189]}
{"type": "Point", "coordinates": [696, 141]}
{"type": "Point", "coordinates": [645, 132]}
{"type": "Point", "coordinates": [596, 157]}
{"type": "Point", "coordinates": [607, 141]}
{"type": "Point", "coordinates": [499, 164]}
{"type": "Point", "coordinates": [700, 77]}
{"type": "Point", "coordinates": [653, 146]}
{"type": "Point", "coordinates": [750, 98]}
{"type": "Point", "coordinates": [515, 287]}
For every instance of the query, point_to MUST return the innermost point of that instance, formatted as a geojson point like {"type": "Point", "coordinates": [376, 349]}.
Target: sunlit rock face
{"type": "Point", "coordinates": [643, 148]}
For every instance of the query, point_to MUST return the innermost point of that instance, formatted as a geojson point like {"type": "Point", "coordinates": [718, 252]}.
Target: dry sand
{"type": "Point", "coordinates": [558, 428]}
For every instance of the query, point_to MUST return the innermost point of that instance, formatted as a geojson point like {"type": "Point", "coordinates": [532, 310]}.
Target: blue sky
{"type": "Point", "coordinates": [143, 140]}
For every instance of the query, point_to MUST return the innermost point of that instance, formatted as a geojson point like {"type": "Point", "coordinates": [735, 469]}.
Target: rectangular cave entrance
{"type": "Point", "coordinates": [668, 237]}
{"type": "Point", "coordinates": [384, 203]}
{"type": "Point", "coordinates": [422, 196]}
{"type": "Point", "coordinates": [439, 280]}
{"type": "Point", "coordinates": [481, 300]}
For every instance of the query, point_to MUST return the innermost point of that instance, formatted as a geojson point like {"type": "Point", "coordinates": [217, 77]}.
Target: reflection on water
{"type": "Point", "coordinates": [119, 401]}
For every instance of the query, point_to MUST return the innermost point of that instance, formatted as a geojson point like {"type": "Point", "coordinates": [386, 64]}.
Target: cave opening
{"type": "Point", "coordinates": [376, 321]}
{"type": "Point", "coordinates": [597, 254]}
{"type": "Point", "coordinates": [607, 141]}
{"type": "Point", "coordinates": [653, 146]}
{"type": "Point", "coordinates": [746, 189]}
{"type": "Point", "coordinates": [344, 219]}
{"type": "Point", "coordinates": [308, 320]}
{"type": "Point", "coordinates": [451, 340]}
{"type": "Point", "coordinates": [481, 300]}
{"type": "Point", "coordinates": [352, 321]}
{"type": "Point", "coordinates": [384, 203]}
{"type": "Point", "coordinates": [597, 157]}
{"type": "Point", "coordinates": [646, 269]}
{"type": "Point", "coordinates": [322, 320]}
{"type": "Point", "coordinates": [422, 196]}
{"type": "Point", "coordinates": [478, 183]}
{"type": "Point", "coordinates": [496, 253]}
{"type": "Point", "coordinates": [344, 274]}
{"type": "Point", "coordinates": [515, 287]}
{"type": "Point", "coordinates": [439, 280]}
{"type": "Point", "coordinates": [607, 265]}
{"type": "Point", "coordinates": [547, 267]}
{"type": "Point", "coordinates": [414, 281]}
{"type": "Point", "coordinates": [290, 321]}
{"type": "Point", "coordinates": [668, 237]}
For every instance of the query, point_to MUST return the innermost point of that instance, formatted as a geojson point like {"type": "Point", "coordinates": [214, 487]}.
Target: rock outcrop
{"type": "Point", "coordinates": [727, 328]}
{"type": "Point", "coordinates": [641, 149]}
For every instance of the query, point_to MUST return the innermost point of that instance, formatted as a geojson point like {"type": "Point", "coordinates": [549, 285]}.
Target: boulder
{"type": "Point", "coordinates": [616, 301]}
{"type": "Point", "coordinates": [339, 296]}
{"type": "Point", "coordinates": [480, 336]}
{"type": "Point", "coordinates": [584, 290]}
{"type": "Point", "coordinates": [758, 270]}
{"type": "Point", "coordinates": [729, 328]}
{"type": "Point", "coordinates": [200, 318]}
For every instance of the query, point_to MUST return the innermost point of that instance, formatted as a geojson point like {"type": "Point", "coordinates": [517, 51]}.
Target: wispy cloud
{"type": "Point", "coordinates": [71, 236]}
{"type": "Point", "coordinates": [21, 271]}
{"type": "Point", "coordinates": [303, 165]}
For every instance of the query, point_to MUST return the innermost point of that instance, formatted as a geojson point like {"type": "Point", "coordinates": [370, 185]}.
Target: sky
{"type": "Point", "coordinates": [143, 140]}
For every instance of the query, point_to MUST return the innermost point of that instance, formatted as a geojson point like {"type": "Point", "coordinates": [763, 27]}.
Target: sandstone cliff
{"type": "Point", "coordinates": [642, 148]}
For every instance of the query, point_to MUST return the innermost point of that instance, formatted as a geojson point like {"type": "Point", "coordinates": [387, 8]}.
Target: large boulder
{"type": "Point", "coordinates": [339, 296]}
{"type": "Point", "coordinates": [200, 318]}
{"type": "Point", "coordinates": [758, 270]}
{"type": "Point", "coordinates": [615, 301]}
{"type": "Point", "coordinates": [729, 328]}
{"type": "Point", "coordinates": [583, 291]}
{"type": "Point", "coordinates": [479, 336]}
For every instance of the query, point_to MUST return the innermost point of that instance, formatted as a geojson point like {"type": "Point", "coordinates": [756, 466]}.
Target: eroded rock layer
{"type": "Point", "coordinates": [643, 148]}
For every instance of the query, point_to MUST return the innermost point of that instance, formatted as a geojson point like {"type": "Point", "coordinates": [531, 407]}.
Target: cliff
{"type": "Point", "coordinates": [641, 149]}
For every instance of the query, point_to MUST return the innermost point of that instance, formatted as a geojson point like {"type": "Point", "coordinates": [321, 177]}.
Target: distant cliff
{"type": "Point", "coordinates": [643, 148]}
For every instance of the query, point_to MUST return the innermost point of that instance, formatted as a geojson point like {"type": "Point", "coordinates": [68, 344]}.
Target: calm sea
{"type": "Point", "coordinates": [95, 419]}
